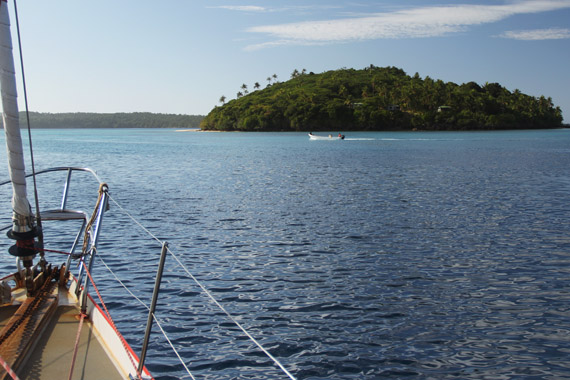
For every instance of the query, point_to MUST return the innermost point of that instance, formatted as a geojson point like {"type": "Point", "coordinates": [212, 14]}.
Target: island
{"type": "Point", "coordinates": [379, 99]}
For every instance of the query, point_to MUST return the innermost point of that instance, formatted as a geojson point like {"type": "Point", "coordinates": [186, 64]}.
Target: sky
{"type": "Point", "coordinates": [182, 56]}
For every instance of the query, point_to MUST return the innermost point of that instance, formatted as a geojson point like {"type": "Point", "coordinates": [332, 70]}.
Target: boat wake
{"type": "Point", "coordinates": [396, 139]}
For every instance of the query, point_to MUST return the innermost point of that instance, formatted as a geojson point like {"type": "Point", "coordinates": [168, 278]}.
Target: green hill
{"type": "Point", "coordinates": [379, 99]}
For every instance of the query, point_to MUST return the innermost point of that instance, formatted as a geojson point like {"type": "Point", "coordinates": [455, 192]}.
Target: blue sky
{"type": "Point", "coordinates": [181, 56]}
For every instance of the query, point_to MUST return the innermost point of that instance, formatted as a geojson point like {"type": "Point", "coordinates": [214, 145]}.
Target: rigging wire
{"type": "Point", "coordinates": [37, 203]}
{"type": "Point", "coordinates": [207, 292]}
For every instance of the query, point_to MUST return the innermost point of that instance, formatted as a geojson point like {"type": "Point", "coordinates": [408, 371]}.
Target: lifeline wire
{"type": "Point", "coordinates": [108, 316]}
{"type": "Point", "coordinates": [153, 315]}
{"type": "Point", "coordinates": [233, 319]}
{"type": "Point", "coordinates": [210, 296]}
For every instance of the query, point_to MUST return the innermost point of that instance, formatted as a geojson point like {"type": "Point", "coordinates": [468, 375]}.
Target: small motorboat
{"type": "Point", "coordinates": [329, 137]}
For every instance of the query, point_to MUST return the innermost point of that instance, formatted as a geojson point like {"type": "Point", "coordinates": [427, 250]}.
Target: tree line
{"type": "Point", "coordinates": [377, 98]}
{"type": "Point", "coordinates": [110, 120]}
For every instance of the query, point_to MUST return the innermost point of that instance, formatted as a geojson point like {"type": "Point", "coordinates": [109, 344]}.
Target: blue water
{"type": "Point", "coordinates": [442, 255]}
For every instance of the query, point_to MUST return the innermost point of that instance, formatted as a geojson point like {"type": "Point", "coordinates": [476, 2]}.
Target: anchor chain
{"type": "Point", "coordinates": [42, 294]}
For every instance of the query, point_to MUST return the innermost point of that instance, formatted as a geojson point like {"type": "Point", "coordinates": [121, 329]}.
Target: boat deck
{"type": "Point", "coordinates": [52, 355]}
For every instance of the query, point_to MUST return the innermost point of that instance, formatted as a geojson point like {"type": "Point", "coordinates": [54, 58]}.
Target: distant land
{"type": "Point", "coordinates": [110, 120]}
{"type": "Point", "coordinates": [378, 99]}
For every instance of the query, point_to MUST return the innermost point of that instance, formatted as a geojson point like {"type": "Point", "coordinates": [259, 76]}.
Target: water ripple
{"type": "Point", "coordinates": [424, 256]}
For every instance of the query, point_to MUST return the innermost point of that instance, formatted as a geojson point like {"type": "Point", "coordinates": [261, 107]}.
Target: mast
{"type": "Point", "coordinates": [23, 222]}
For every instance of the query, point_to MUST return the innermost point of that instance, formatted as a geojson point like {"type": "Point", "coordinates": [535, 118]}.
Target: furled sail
{"type": "Point", "coordinates": [20, 205]}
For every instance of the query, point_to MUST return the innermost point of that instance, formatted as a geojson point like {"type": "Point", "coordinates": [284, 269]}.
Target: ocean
{"type": "Point", "coordinates": [389, 255]}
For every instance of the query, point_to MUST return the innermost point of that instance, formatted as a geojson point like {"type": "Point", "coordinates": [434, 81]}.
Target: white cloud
{"type": "Point", "coordinates": [243, 8]}
{"type": "Point", "coordinates": [411, 23]}
{"type": "Point", "coordinates": [299, 9]}
{"type": "Point", "coordinates": [538, 34]}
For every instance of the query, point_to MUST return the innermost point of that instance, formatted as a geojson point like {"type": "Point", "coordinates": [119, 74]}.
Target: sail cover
{"type": "Point", "coordinates": [10, 117]}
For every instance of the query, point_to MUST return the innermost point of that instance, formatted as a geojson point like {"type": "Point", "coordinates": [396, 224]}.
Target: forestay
{"type": "Point", "coordinates": [20, 203]}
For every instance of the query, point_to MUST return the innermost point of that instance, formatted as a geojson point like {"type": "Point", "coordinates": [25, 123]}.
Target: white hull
{"type": "Point", "coordinates": [327, 138]}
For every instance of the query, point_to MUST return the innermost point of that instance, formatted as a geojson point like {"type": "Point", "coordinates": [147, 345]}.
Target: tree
{"type": "Point", "coordinates": [223, 99]}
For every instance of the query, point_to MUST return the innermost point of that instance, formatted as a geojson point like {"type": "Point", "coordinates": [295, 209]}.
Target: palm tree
{"type": "Point", "coordinates": [223, 99]}
{"type": "Point", "coordinates": [275, 77]}
{"type": "Point", "coordinates": [239, 94]}
{"type": "Point", "coordinates": [256, 85]}
{"type": "Point", "coordinates": [244, 88]}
